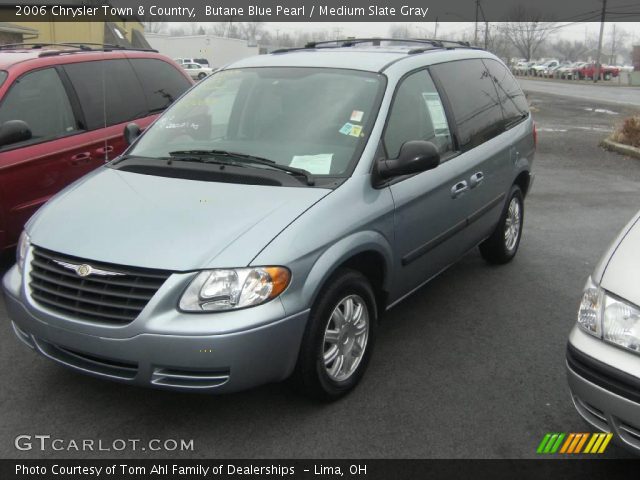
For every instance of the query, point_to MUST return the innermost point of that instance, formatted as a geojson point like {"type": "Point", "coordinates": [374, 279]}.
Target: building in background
{"type": "Point", "coordinates": [218, 51]}
{"type": "Point", "coordinates": [123, 31]}
{"type": "Point", "coordinates": [13, 33]}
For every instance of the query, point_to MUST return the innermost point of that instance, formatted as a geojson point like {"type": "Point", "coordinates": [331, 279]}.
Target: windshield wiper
{"type": "Point", "coordinates": [243, 157]}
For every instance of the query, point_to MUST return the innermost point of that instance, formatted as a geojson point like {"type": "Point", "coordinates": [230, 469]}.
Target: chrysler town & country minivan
{"type": "Point", "coordinates": [262, 225]}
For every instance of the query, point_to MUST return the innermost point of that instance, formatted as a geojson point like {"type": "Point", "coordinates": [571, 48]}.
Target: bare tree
{"type": "Point", "coordinates": [570, 51]}
{"type": "Point", "coordinates": [399, 30]}
{"type": "Point", "coordinates": [251, 30]}
{"type": "Point", "coordinates": [615, 43]}
{"type": "Point", "coordinates": [177, 31]}
{"type": "Point", "coordinates": [526, 31]}
{"type": "Point", "coordinates": [155, 27]}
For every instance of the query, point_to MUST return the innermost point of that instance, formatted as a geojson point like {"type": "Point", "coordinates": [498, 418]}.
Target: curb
{"type": "Point", "coordinates": [628, 150]}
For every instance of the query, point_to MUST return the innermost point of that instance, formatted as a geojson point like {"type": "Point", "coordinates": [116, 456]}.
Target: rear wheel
{"type": "Point", "coordinates": [339, 338]}
{"type": "Point", "coordinates": [503, 243]}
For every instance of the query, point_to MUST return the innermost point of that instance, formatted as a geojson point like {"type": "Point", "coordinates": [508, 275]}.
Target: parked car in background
{"type": "Point", "coordinates": [523, 67]}
{"type": "Point", "coordinates": [542, 69]}
{"type": "Point", "coordinates": [222, 255]}
{"type": "Point", "coordinates": [62, 114]}
{"type": "Point", "coordinates": [202, 61]}
{"type": "Point", "coordinates": [588, 71]}
{"type": "Point", "coordinates": [197, 71]}
{"type": "Point", "coordinates": [603, 352]}
{"type": "Point", "coordinates": [571, 72]}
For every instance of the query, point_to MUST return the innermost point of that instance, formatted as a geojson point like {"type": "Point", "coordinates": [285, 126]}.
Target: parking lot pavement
{"type": "Point", "coordinates": [604, 91]}
{"type": "Point", "coordinates": [472, 365]}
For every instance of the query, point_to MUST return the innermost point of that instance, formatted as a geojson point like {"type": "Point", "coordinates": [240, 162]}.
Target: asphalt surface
{"type": "Point", "coordinates": [606, 91]}
{"type": "Point", "coordinates": [472, 365]}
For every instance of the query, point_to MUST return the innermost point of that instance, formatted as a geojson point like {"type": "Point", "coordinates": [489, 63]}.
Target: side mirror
{"type": "Point", "coordinates": [131, 132]}
{"type": "Point", "coordinates": [415, 156]}
{"type": "Point", "coordinates": [14, 131]}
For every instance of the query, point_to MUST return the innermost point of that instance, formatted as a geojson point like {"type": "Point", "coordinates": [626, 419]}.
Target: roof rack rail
{"type": "Point", "coordinates": [376, 41]}
{"type": "Point", "coordinates": [80, 46]}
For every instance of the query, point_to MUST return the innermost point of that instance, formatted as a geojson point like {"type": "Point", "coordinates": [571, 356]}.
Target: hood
{"type": "Point", "coordinates": [173, 224]}
{"type": "Point", "coordinates": [622, 273]}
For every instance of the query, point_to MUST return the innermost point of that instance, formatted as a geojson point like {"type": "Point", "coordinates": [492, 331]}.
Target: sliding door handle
{"type": "Point", "coordinates": [459, 188]}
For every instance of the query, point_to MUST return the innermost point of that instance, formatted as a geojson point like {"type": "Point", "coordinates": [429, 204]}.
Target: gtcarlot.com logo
{"type": "Point", "coordinates": [573, 443]}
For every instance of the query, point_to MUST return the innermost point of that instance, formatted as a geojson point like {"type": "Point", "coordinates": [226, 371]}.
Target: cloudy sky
{"type": "Point", "coordinates": [573, 31]}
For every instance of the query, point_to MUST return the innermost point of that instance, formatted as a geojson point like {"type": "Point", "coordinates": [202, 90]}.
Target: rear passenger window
{"type": "Point", "coordinates": [109, 92]}
{"type": "Point", "coordinates": [514, 103]}
{"type": "Point", "coordinates": [417, 114]}
{"type": "Point", "coordinates": [39, 99]}
{"type": "Point", "coordinates": [161, 82]}
{"type": "Point", "coordinates": [474, 101]}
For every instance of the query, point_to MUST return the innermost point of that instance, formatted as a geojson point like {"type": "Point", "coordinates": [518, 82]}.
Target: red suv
{"type": "Point", "coordinates": [62, 114]}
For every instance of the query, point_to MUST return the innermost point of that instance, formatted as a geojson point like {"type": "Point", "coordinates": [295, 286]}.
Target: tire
{"type": "Point", "coordinates": [201, 76]}
{"type": "Point", "coordinates": [607, 76]}
{"type": "Point", "coordinates": [502, 245]}
{"type": "Point", "coordinates": [327, 381]}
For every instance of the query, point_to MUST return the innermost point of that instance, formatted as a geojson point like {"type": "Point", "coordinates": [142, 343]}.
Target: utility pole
{"type": "Point", "coordinates": [475, 33]}
{"type": "Point", "coordinates": [435, 30]}
{"type": "Point", "coordinates": [596, 75]}
{"type": "Point", "coordinates": [612, 60]}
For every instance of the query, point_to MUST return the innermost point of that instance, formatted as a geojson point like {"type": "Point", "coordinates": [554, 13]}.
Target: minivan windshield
{"type": "Point", "coordinates": [313, 119]}
{"type": "Point", "coordinates": [3, 77]}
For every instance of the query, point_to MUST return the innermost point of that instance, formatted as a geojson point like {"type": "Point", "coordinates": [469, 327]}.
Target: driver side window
{"type": "Point", "coordinates": [417, 113]}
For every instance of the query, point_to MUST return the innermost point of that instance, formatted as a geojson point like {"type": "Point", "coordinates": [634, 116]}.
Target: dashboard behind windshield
{"type": "Point", "coordinates": [316, 119]}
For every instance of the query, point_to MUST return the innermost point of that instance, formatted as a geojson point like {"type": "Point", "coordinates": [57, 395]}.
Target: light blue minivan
{"type": "Point", "coordinates": [262, 225]}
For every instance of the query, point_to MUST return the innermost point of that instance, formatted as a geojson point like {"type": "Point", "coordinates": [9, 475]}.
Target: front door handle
{"type": "Point", "coordinates": [459, 188]}
{"type": "Point", "coordinates": [476, 179]}
{"type": "Point", "coordinates": [104, 150]}
{"type": "Point", "coordinates": [81, 158]}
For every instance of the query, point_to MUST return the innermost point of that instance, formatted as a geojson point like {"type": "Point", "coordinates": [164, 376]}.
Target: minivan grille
{"type": "Point", "coordinates": [113, 294]}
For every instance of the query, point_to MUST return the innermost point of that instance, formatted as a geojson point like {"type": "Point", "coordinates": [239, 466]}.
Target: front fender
{"type": "Point", "coordinates": [341, 251]}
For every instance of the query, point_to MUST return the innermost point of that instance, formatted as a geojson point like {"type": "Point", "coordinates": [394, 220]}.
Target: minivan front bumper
{"type": "Point", "coordinates": [606, 396]}
{"type": "Point", "coordinates": [220, 362]}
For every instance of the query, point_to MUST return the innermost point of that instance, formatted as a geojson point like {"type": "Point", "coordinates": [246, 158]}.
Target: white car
{"type": "Point", "coordinates": [197, 71]}
{"type": "Point", "coordinates": [542, 69]}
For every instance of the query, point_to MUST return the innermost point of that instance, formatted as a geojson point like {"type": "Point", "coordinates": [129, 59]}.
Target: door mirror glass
{"type": "Point", "coordinates": [14, 131]}
{"type": "Point", "coordinates": [131, 132]}
{"type": "Point", "coordinates": [415, 156]}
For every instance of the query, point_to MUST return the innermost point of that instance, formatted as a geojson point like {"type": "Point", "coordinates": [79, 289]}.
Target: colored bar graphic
{"type": "Point", "coordinates": [573, 443]}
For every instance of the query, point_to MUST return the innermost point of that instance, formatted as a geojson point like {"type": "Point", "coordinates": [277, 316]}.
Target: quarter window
{"type": "Point", "coordinates": [40, 100]}
{"type": "Point", "coordinates": [162, 82]}
{"type": "Point", "coordinates": [514, 103]}
{"type": "Point", "coordinates": [474, 101]}
{"type": "Point", "coordinates": [417, 114]}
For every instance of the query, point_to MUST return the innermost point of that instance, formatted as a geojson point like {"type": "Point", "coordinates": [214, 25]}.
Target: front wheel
{"type": "Point", "coordinates": [201, 76]}
{"type": "Point", "coordinates": [339, 338]}
{"type": "Point", "coordinates": [503, 243]}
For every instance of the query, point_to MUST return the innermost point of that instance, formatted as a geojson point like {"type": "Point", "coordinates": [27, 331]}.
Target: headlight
{"type": "Point", "coordinates": [621, 323]}
{"type": "Point", "coordinates": [609, 318]}
{"type": "Point", "coordinates": [21, 250]}
{"type": "Point", "coordinates": [590, 309]}
{"type": "Point", "coordinates": [228, 289]}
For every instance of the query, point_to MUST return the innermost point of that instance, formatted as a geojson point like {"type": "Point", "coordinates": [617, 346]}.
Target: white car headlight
{"type": "Point", "coordinates": [21, 250]}
{"type": "Point", "coordinates": [590, 309]}
{"type": "Point", "coordinates": [621, 323]}
{"type": "Point", "coordinates": [609, 318]}
{"type": "Point", "coordinates": [228, 289]}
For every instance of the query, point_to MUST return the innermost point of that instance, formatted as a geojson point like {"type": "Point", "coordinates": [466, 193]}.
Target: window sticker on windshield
{"type": "Point", "coordinates": [356, 116]}
{"type": "Point", "coordinates": [356, 130]}
{"type": "Point", "coordinates": [346, 128]}
{"type": "Point", "coordinates": [315, 164]}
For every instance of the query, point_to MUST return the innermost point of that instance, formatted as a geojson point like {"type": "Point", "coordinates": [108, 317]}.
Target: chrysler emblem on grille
{"type": "Point", "coordinates": [84, 270]}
